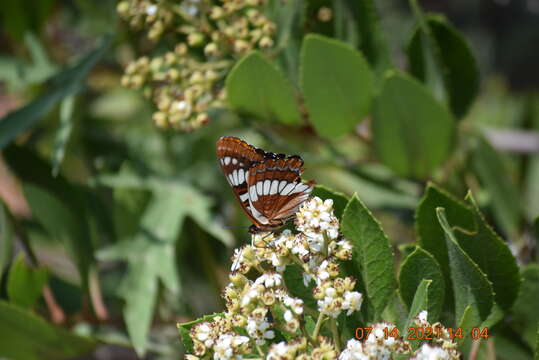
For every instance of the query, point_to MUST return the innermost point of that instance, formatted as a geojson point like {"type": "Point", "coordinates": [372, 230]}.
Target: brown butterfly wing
{"type": "Point", "coordinates": [236, 157]}
{"type": "Point", "coordinates": [276, 191]}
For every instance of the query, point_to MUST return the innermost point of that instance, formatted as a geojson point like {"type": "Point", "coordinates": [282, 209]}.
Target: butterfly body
{"type": "Point", "coordinates": [267, 185]}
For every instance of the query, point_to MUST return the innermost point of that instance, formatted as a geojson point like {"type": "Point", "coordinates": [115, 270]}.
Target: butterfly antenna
{"type": "Point", "coordinates": [234, 227]}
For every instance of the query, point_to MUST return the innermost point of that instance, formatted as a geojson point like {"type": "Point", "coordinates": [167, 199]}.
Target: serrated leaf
{"type": "Point", "coordinates": [372, 259]}
{"type": "Point", "coordinates": [458, 68]}
{"type": "Point", "coordinates": [431, 236]}
{"type": "Point", "coordinates": [184, 329]}
{"type": "Point", "coordinates": [6, 238]}
{"type": "Point", "coordinates": [505, 196]}
{"type": "Point", "coordinates": [418, 266]}
{"type": "Point", "coordinates": [64, 84]}
{"type": "Point", "coordinates": [420, 302]}
{"type": "Point", "coordinates": [337, 84]}
{"type": "Point", "coordinates": [24, 335]}
{"type": "Point", "coordinates": [339, 199]}
{"type": "Point", "coordinates": [255, 86]}
{"type": "Point", "coordinates": [470, 285]}
{"type": "Point", "coordinates": [493, 257]}
{"type": "Point", "coordinates": [412, 132]}
{"type": "Point", "coordinates": [25, 284]}
{"type": "Point", "coordinates": [69, 228]}
{"type": "Point", "coordinates": [63, 132]}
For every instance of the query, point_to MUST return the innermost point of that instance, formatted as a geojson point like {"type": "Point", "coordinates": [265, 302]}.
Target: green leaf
{"type": "Point", "coordinates": [430, 56]}
{"type": "Point", "coordinates": [195, 204]}
{"type": "Point", "coordinates": [470, 285]}
{"type": "Point", "coordinates": [431, 236]}
{"type": "Point", "coordinates": [154, 260]}
{"type": "Point", "coordinates": [372, 259]}
{"type": "Point", "coordinates": [255, 86]}
{"type": "Point", "coordinates": [371, 38]}
{"type": "Point", "coordinates": [458, 68]}
{"type": "Point", "coordinates": [184, 329]}
{"type": "Point", "coordinates": [536, 230]}
{"type": "Point", "coordinates": [337, 85]}
{"type": "Point", "coordinates": [24, 335]}
{"type": "Point", "coordinates": [293, 277]}
{"type": "Point", "coordinates": [494, 175]}
{"type": "Point", "coordinates": [525, 310]}
{"type": "Point", "coordinates": [19, 18]}
{"type": "Point", "coordinates": [466, 322]}
{"type": "Point", "coordinates": [64, 84]}
{"type": "Point", "coordinates": [290, 20]}
{"type": "Point", "coordinates": [63, 133]}
{"type": "Point", "coordinates": [511, 348]}
{"type": "Point", "coordinates": [62, 224]}
{"type": "Point", "coordinates": [412, 132]}
{"type": "Point", "coordinates": [25, 284]}
{"type": "Point", "coordinates": [18, 74]}
{"type": "Point", "coordinates": [6, 237]}
{"type": "Point", "coordinates": [493, 257]}
{"type": "Point", "coordinates": [420, 303]}
{"type": "Point", "coordinates": [418, 266]}
{"type": "Point", "coordinates": [140, 294]}
{"type": "Point", "coordinates": [339, 199]}
{"type": "Point", "coordinates": [536, 352]}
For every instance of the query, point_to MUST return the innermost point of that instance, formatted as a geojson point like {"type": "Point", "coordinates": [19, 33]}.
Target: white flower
{"type": "Point", "coordinates": [353, 351]}
{"type": "Point", "coordinates": [151, 9]}
{"type": "Point", "coordinates": [288, 316]}
{"type": "Point", "coordinates": [259, 330]}
{"type": "Point", "coordinates": [428, 352]}
{"type": "Point", "coordinates": [226, 345]}
{"type": "Point", "coordinates": [270, 280]}
{"type": "Point", "coordinates": [327, 306]}
{"type": "Point", "coordinates": [352, 301]}
{"type": "Point", "coordinates": [331, 292]}
{"type": "Point", "coordinates": [295, 304]}
{"type": "Point", "coordinates": [307, 278]}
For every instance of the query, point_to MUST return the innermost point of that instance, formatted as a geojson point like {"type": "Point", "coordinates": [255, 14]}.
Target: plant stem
{"type": "Point", "coordinates": [318, 326]}
{"type": "Point", "coordinates": [95, 295]}
{"type": "Point", "coordinates": [305, 333]}
{"type": "Point", "coordinates": [335, 333]}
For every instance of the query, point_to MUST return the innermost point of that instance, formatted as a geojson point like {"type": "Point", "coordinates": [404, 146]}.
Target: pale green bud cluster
{"type": "Point", "coordinates": [185, 82]}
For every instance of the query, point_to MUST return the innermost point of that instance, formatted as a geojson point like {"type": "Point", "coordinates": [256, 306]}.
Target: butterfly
{"type": "Point", "coordinates": [267, 185]}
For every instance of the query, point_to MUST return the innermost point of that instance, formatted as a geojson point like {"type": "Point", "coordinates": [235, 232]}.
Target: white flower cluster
{"type": "Point", "coordinates": [250, 302]}
{"type": "Point", "coordinates": [263, 306]}
{"type": "Point", "coordinates": [226, 345]}
{"type": "Point", "coordinates": [441, 346]}
{"type": "Point", "coordinates": [218, 336]}
{"type": "Point", "coordinates": [432, 352]}
{"type": "Point", "coordinates": [378, 345]}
